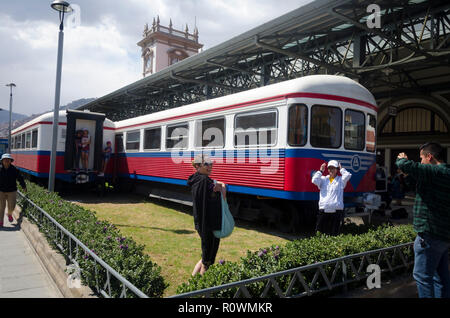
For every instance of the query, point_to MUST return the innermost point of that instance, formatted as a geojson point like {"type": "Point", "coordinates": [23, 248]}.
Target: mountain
{"type": "Point", "coordinates": [19, 119]}
{"type": "Point", "coordinates": [4, 116]}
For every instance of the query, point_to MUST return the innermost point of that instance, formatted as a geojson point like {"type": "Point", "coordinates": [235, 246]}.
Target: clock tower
{"type": "Point", "coordinates": [163, 46]}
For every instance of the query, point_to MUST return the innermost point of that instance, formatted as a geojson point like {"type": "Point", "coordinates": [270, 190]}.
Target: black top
{"type": "Point", "coordinates": [9, 178]}
{"type": "Point", "coordinates": [207, 204]}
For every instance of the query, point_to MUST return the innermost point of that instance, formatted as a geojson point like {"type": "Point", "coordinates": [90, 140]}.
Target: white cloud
{"type": "Point", "coordinates": [101, 54]}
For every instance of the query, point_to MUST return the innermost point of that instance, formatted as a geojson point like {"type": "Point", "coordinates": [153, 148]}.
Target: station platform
{"type": "Point", "coordinates": [22, 275]}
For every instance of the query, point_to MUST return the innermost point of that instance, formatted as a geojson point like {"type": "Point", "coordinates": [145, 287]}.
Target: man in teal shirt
{"type": "Point", "coordinates": [431, 220]}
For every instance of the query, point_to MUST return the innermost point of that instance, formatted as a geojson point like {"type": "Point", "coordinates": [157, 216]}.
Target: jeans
{"type": "Point", "coordinates": [431, 267]}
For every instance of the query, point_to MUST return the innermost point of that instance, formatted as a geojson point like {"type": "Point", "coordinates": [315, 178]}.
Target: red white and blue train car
{"type": "Point", "coordinates": [264, 142]}
{"type": "Point", "coordinates": [32, 142]}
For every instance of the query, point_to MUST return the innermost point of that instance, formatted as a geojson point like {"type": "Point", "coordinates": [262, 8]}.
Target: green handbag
{"type": "Point", "coordinates": [227, 221]}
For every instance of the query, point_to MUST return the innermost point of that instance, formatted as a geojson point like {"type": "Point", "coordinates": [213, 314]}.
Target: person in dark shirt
{"type": "Point", "coordinates": [207, 210]}
{"type": "Point", "coordinates": [9, 175]}
{"type": "Point", "coordinates": [78, 136]}
{"type": "Point", "coordinates": [431, 220]}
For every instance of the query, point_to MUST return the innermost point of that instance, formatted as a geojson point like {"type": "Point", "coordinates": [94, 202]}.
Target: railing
{"type": "Point", "coordinates": [74, 247]}
{"type": "Point", "coordinates": [312, 279]}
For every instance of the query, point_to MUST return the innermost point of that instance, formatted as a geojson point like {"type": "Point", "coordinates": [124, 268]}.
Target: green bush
{"type": "Point", "coordinates": [121, 253]}
{"type": "Point", "coordinates": [318, 248]}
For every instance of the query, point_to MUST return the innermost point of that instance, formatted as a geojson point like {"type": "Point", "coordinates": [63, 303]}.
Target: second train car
{"type": "Point", "coordinates": [265, 143]}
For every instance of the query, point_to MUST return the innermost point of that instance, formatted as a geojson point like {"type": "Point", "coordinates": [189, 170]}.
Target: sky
{"type": "Point", "coordinates": [100, 43]}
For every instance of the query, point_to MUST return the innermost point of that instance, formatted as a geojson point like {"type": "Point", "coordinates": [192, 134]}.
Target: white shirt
{"type": "Point", "coordinates": [331, 194]}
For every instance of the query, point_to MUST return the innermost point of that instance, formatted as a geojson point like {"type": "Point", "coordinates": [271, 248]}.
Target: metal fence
{"type": "Point", "coordinates": [312, 279]}
{"type": "Point", "coordinates": [60, 237]}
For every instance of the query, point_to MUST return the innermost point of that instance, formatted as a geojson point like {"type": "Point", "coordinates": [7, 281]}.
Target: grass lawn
{"type": "Point", "coordinates": [168, 233]}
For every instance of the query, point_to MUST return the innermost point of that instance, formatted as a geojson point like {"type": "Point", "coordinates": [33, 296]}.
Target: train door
{"type": "Point", "coordinates": [90, 127]}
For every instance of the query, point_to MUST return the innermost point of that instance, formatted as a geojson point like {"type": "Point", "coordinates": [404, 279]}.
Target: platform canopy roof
{"type": "Point", "coordinates": [407, 52]}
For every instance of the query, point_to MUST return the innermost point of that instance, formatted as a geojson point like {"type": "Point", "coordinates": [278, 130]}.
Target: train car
{"type": "Point", "coordinates": [32, 143]}
{"type": "Point", "coordinates": [265, 144]}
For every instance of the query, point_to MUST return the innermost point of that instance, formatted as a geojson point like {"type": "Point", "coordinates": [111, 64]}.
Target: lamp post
{"type": "Point", "coordinates": [10, 85]}
{"type": "Point", "coordinates": [62, 7]}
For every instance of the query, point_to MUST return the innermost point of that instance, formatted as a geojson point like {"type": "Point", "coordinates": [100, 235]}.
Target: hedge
{"type": "Point", "coordinates": [318, 248]}
{"type": "Point", "coordinates": [104, 239]}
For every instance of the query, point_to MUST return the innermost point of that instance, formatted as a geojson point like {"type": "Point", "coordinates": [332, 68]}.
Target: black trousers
{"type": "Point", "coordinates": [329, 223]}
{"type": "Point", "coordinates": [210, 246]}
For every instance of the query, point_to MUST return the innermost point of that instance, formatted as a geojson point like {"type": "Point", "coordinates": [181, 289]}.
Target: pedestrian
{"type": "Point", "coordinates": [331, 202]}
{"type": "Point", "coordinates": [431, 220]}
{"type": "Point", "coordinates": [106, 156]}
{"type": "Point", "coordinates": [85, 145]}
{"type": "Point", "coordinates": [9, 175]}
{"type": "Point", "coordinates": [78, 137]}
{"type": "Point", "coordinates": [398, 187]}
{"type": "Point", "coordinates": [207, 210]}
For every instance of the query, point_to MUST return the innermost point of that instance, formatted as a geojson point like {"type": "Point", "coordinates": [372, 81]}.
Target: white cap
{"type": "Point", "coordinates": [7, 156]}
{"type": "Point", "coordinates": [333, 163]}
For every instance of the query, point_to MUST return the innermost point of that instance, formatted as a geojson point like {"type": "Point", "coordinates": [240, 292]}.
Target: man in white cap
{"type": "Point", "coordinates": [331, 202]}
{"type": "Point", "coordinates": [9, 175]}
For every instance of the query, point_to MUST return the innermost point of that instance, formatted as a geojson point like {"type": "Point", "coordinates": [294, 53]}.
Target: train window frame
{"type": "Point", "coordinates": [34, 133]}
{"type": "Point", "coordinates": [134, 142]}
{"type": "Point", "coordinates": [289, 123]}
{"type": "Point", "coordinates": [375, 133]}
{"type": "Point", "coordinates": [160, 138]}
{"type": "Point", "coordinates": [22, 136]}
{"type": "Point", "coordinates": [117, 144]}
{"type": "Point", "coordinates": [177, 125]}
{"type": "Point", "coordinates": [311, 127]}
{"type": "Point", "coordinates": [363, 147]}
{"type": "Point", "coordinates": [28, 140]}
{"type": "Point", "coordinates": [196, 140]}
{"type": "Point", "coordinates": [253, 113]}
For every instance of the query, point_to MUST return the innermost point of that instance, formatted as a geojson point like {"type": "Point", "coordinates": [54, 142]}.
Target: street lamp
{"type": "Point", "coordinates": [62, 7]}
{"type": "Point", "coordinates": [10, 85]}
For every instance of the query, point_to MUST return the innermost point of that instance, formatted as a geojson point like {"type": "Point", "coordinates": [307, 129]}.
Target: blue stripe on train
{"type": "Point", "coordinates": [62, 176]}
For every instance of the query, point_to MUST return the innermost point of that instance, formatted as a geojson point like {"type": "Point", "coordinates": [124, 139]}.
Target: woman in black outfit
{"type": "Point", "coordinates": [207, 210]}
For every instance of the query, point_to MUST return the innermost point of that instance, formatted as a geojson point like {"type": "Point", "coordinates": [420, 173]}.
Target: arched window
{"type": "Point", "coordinates": [414, 120]}
{"type": "Point", "coordinates": [148, 61]}
{"type": "Point", "coordinates": [176, 55]}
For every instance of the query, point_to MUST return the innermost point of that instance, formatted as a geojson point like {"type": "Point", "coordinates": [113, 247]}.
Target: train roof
{"type": "Point", "coordinates": [48, 117]}
{"type": "Point", "coordinates": [318, 84]}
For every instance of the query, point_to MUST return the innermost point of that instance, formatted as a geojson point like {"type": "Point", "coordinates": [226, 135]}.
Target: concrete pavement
{"type": "Point", "coordinates": [21, 273]}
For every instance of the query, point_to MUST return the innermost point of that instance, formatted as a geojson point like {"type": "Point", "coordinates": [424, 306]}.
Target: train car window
{"type": "Point", "coordinates": [28, 140]}
{"type": "Point", "coordinates": [177, 136]}
{"type": "Point", "coordinates": [298, 125]}
{"type": "Point", "coordinates": [252, 129]}
{"type": "Point", "coordinates": [326, 126]}
{"type": "Point", "coordinates": [23, 140]}
{"type": "Point", "coordinates": [119, 143]}
{"type": "Point", "coordinates": [34, 138]}
{"type": "Point", "coordinates": [133, 140]}
{"type": "Point", "coordinates": [210, 133]}
{"type": "Point", "coordinates": [371, 132]}
{"type": "Point", "coordinates": [17, 142]}
{"type": "Point", "coordinates": [354, 128]}
{"type": "Point", "coordinates": [152, 139]}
